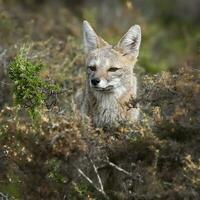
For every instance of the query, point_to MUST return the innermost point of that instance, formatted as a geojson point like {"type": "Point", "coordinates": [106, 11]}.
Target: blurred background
{"type": "Point", "coordinates": [170, 28]}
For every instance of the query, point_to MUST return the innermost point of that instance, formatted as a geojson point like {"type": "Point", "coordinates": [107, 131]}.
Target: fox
{"type": "Point", "coordinates": [110, 80]}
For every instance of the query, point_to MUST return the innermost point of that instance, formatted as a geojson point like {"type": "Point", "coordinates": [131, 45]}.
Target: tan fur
{"type": "Point", "coordinates": [106, 102]}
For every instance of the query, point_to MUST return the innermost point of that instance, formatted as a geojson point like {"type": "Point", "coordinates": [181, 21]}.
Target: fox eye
{"type": "Point", "coordinates": [92, 68]}
{"type": "Point", "coordinates": [113, 69]}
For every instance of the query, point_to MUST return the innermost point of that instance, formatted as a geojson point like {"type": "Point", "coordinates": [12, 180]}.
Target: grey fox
{"type": "Point", "coordinates": [110, 80]}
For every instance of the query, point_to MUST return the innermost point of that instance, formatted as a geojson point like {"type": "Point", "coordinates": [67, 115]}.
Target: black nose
{"type": "Point", "coordinates": [95, 81]}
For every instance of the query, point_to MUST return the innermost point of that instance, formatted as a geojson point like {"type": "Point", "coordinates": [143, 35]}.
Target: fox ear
{"type": "Point", "coordinates": [130, 42]}
{"type": "Point", "coordinates": [90, 39]}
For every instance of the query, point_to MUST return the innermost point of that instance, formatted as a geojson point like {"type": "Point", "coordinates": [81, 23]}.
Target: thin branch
{"type": "Point", "coordinates": [92, 183]}
{"type": "Point", "coordinates": [3, 53]}
{"type": "Point", "coordinates": [118, 168]}
{"type": "Point", "coordinates": [4, 83]}
{"type": "Point", "coordinates": [3, 196]}
{"type": "Point", "coordinates": [98, 176]}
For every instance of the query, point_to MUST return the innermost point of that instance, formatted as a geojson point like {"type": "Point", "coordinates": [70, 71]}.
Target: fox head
{"type": "Point", "coordinates": [110, 68]}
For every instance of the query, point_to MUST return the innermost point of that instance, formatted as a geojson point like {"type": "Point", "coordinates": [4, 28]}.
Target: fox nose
{"type": "Point", "coordinates": [95, 81]}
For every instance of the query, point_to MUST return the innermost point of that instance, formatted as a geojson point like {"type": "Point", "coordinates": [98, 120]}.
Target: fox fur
{"type": "Point", "coordinates": [110, 80]}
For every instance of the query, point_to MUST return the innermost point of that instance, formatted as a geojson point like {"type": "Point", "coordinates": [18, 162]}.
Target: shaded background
{"type": "Point", "coordinates": [170, 28]}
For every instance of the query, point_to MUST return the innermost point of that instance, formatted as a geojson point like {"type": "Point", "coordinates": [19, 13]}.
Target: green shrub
{"type": "Point", "coordinates": [29, 89]}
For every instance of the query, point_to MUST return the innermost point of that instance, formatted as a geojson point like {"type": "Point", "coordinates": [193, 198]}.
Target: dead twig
{"type": "Point", "coordinates": [118, 168]}
{"type": "Point", "coordinates": [3, 196]}
{"type": "Point", "coordinates": [92, 183]}
{"type": "Point", "coordinates": [4, 83]}
{"type": "Point", "coordinates": [97, 174]}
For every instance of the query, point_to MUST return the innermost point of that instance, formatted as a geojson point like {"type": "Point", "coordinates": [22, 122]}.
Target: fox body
{"type": "Point", "coordinates": [110, 80]}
